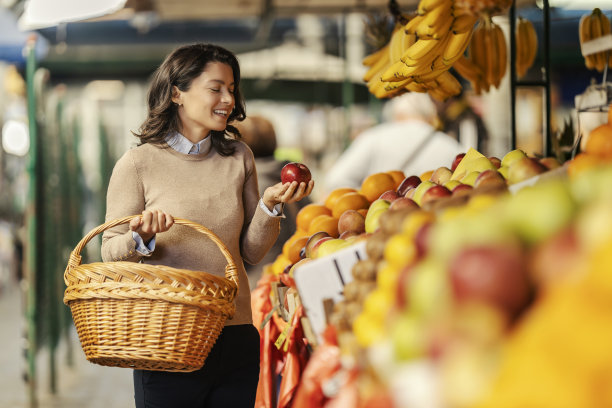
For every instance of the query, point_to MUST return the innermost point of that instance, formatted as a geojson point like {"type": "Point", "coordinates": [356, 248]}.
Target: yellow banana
{"type": "Point", "coordinates": [437, 22]}
{"type": "Point", "coordinates": [411, 26]}
{"type": "Point", "coordinates": [371, 59]}
{"type": "Point", "coordinates": [463, 23]}
{"type": "Point", "coordinates": [467, 69]}
{"type": "Point", "coordinates": [584, 31]}
{"type": "Point", "coordinates": [491, 67]}
{"type": "Point", "coordinates": [502, 53]}
{"type": "Point", "coordinates": [457, 45]}
{"type": "Point", "coordinates": [379, 65]}
{"type": "Point", "coordinates": [393, 73]}
{"type": "Point", "coordinates": [425, 6]}
{"type": "Point", "coordinates": [395, 43]}
{"type": "Point", "coordinates": [478, 52]}
{"type": "Point", "coordinates": [421, 48]}
{"type": "Point", "coordinates": [532, 46]}
{"type": "Point", "coordinates": [449, 84]}
{"type": "Point", "coordinates": [596, 31]}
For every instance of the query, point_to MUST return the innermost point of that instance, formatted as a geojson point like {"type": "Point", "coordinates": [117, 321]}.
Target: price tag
{"type": "Point", "coordinates": [283, 337]}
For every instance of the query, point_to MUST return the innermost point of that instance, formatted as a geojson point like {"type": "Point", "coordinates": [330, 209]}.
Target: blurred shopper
{"type": "Point", "coordinates": [189, 164]}
{"type": "Point", "coordinates": [407, 141]}
{"type": "Point", "coordinates": [460, 121]}
{"type": "Point", "coordinates": [259, 134]}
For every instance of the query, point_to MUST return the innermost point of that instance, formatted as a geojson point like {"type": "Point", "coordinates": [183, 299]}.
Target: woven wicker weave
{"type": "Point", "coordinates": [144, 316]}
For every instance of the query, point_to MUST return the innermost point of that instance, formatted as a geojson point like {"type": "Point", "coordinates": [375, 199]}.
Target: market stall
{"type": "Point", "coordinates": [482, 283]}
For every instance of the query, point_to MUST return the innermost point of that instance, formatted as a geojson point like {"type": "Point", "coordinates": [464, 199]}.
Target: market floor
{"type": "Point", "coordinates": [83, 385]}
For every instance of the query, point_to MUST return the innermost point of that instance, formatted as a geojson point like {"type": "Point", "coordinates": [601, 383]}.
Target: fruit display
{"type": "Point", "coordinates": [526, 46]}
{"type": "Point", "coordinates": [593, 26]}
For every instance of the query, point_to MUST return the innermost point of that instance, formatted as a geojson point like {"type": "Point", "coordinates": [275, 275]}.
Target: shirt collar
{"type": "Point", "coordinates": [183, 145]}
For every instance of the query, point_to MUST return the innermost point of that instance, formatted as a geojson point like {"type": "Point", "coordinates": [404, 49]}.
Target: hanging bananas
{"type": "Point", "coordinates": [483, 7]}
{"type": "Point", "coordinates": [485, 65]}
{"type": "Point", "coordinates": [526, 46]}
{"type": "Point", "coordinates": [593, 26]}
{"type": "Point", "coordinates": [421, 51]}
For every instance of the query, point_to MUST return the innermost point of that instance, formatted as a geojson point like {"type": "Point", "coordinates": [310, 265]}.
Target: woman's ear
{"type": "Point", "coordinates": [176, 95]}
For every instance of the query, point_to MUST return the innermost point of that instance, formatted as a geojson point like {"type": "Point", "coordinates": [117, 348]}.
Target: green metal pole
{"type": "Point", "coordinates": [31, 222]}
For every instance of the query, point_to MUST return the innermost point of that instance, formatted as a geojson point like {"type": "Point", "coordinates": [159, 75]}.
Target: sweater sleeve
{"type": "Point", "coordinates": [124, 197]}
{"type": "Point", "coordinates": [260, 230]}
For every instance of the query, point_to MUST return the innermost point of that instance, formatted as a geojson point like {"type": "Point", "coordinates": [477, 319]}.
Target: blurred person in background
{"type": "Point", "coordinates": [259, 134]}
{"type": "Point", "coordinates": [408, 140]}
{"type": "Point", "coordinates": [189, 164]}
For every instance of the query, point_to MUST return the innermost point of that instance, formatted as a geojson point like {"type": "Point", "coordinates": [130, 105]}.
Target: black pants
{"type": "Point", "coordinates": [228, 379]}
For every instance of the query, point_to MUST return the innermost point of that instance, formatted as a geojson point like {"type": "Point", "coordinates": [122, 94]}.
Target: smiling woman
{"type": "Point", "coordinates": [190, 164]}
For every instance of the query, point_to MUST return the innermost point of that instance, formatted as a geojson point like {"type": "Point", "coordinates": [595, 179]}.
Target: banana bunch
{"type": "Point", "coordinates": [592, 26]}
{"type": "Point", "coordinates": [483, 7]}
{"type": "Point", "coordinates": [485, 65]}
{"type": "Point", "coordinates": [420, 53]}
{"type": "Point", "coordinates": [526, 46]}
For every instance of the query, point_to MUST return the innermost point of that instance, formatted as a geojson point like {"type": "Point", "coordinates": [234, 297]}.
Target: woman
{"type": "Point", "coordinates": [189, 165]}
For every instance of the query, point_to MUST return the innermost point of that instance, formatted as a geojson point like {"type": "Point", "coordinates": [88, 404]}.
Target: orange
{"type": "Point", "coordinates": [599, 142]}
{"type": "Point", "coordinates": [293, 252]}
{"type": "Point", "coordinates": [398, 176]}
{"type": "Point", "coordinates": [308, 213]}
{"type": "Point", "coordinates": [426, 176]}
{"type": "Point", "coordinates": [331, 199]}
{"type": "Point", "coordinates": [581, 163]}
{"type": "Point", "coordinates": [376, 184]}
{"type": "Point", "coordinates": [325, 223]}
{"type": "Point", "coordinates": [350, 201]}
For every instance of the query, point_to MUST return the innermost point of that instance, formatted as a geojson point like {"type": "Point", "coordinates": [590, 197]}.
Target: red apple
{"type": "Point", "coordinates": [389, 195]}
{"type": "Point", "coordinates": [550, 162]}
{"type": "Point", "coordinates": [295, 172]}
{"type": "Point", "coordinates": [489, 177]}
{"type": "Point", "coordinates": [496, 161]}
{"type": "Point", "coordinates": [407, 183]}
{"type": "Point", "coordinates": [456, 161]}
{"type": "Point", "coordinates": [403, 202]}
{"type": "Point", "coordinates": [461, 189]}
{"type": "Point", "coordinates": [523, 169]}
{"type": "Point", "coordinates": [312, 240]}
{"type": "Point", "coordinates": [434, 193]}
{"type": "Point", "coordinates": [421, 239]}
{"type": "Point", "coordinates": [493, 274]}
{"type": "Point", "coordinates": [351, 220]}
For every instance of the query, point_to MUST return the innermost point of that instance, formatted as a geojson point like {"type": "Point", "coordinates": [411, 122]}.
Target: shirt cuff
{"type": "Point", "coordinates": [141, 248]}
{"type": "Point", "coordinates": [277, 211]}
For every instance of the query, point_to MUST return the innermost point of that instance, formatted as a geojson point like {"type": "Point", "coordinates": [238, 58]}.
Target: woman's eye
{"type": "Point", "coordinates": [215, 90]}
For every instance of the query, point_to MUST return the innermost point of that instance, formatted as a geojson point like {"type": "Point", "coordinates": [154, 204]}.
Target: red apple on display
{"type": "Point", "coordinates": [494, 274]}
{"type": "Point", "coordinates": [390, 195]}
{"type": "Point", "coordinates": [523, 169]}
{"type": "Point", "coordinates": [457, 160]}
{"type": "Point", "coordinates": [403, 202]}
{"type": "Point", "coordinates": [489, 178]}
{"type": "Point", "coordinates": [351, 220]}
{"type": "Point", "coordinates": [312, 240]}
{"type": "Point", "coordinates": [461, 189]}
{"type": "Point", "coordinates": [295, 172]}
{"type": "Point", "coordinates": [434, 193]}
{"type": "Point", "coordinates": [407, 183]}
{"type": "Point", "coordinates": [496, 161]}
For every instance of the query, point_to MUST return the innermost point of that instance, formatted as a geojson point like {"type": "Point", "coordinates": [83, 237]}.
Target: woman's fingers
{"type": "Point", "coordinates": [152, 222]}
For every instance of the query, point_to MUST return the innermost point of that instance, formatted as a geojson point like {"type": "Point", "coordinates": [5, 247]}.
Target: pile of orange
{"type": "Point", "coordinates": [376, 184]}
{"type": "Point", "coordinates": [597, 149]}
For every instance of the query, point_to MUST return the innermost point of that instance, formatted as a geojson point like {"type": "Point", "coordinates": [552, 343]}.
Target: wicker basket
{"type": "Point", "coordinates": [149, 317]}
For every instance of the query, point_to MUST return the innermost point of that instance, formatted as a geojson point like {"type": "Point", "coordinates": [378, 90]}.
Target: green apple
{"type": "Point", "coordinates": [421, 189]}
{"type": "Point", "coordinates": [470, 178]}
{"type": "Point", "coordinates": [512, 156]}
{"type": "Point", "coordinates": [372, 220]}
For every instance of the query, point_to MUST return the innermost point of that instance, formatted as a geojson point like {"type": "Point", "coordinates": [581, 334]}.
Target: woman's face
{"type": "Point", "coordinates": [208, 103]}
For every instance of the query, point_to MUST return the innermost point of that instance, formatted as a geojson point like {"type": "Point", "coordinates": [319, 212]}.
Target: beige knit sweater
{"type": "Point", "coordinates": [217, 192]}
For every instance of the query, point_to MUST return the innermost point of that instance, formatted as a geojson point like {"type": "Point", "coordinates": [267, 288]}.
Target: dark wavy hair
{"type": "Point", "coordinates": [179, 69]}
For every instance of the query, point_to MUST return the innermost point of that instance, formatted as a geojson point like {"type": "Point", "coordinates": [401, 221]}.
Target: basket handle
{"type": "Point", "coordinates": [230, 270]}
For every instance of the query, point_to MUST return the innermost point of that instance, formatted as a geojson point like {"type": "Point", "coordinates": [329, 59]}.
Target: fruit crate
{"type": "Point", "coordinates": [320, 283]}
